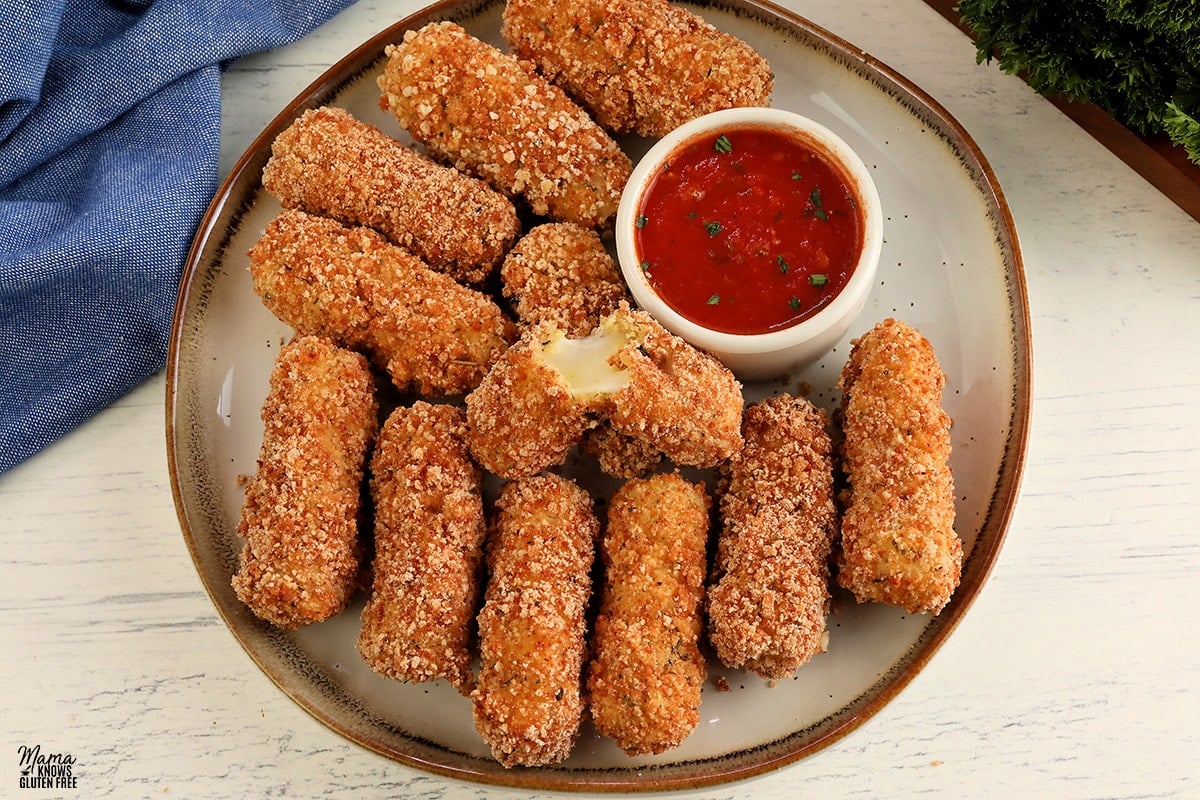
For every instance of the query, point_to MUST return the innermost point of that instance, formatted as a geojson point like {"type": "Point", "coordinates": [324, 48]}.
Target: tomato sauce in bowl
{"type": "Point", "coordinates": [754, 234]}
{"type": "Point", "coordinates": [748, 230]}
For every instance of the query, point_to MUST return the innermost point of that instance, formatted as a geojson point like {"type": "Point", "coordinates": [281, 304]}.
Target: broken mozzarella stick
{"type": "Point", "coordinates": [331, 164]}
{"type": "Point", "coordinates": [417, 624]}
{"type": "Point", "coordinates": [493, 116]}
{"type": "Point", "coordinates": [299, 521]}
{"type": "Point", "coordinates": [647, 672]}
{"type": "Point", "coordinates": [898, 540]}
{"type": "Point", "coordinates": [431, 334]}
{"type": "Point", "coordinates": [768, 602]}
{"type": "Point", "coordinates": [546, 391]}
{"type": "Point", "coordinates": [528, 702]}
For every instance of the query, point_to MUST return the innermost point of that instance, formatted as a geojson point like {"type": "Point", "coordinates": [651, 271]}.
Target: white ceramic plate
{"type": "Point", "coordinates": [951, 267]}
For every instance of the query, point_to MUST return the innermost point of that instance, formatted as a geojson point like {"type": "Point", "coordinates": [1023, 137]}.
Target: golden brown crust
{"type": "Point", "coordinates": [528, 704]}
{"type": "Point", "coordinates": [431, 334]}
{"type": "Point", "coordinates": [620, 455]}
{"type": "Point", "coordinates": [647, 671]}
{"type": "Point", "coordinates": [429, 529]}
{"type": "Point", "coordinates": [898, 540]}
{"type": "Point", "coordinates": [562, 273]}
{"type": "Point", "coordinates": [492, 116]}
{"type": "Point", "coordinates": [680, 400]}
{"type": "Point", "coordinates": [329, 163]}
{"type": "Point", "coordinates": [642, 66]}
{"type": "Point", "coordinates": [769, 600]}
{"type": "Point", "coordinates": [299, 520]}
{"type": "Point", "coordinates": [522, 417]}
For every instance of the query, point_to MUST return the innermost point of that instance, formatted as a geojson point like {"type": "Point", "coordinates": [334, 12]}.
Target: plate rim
{"type": "Point", "coordinates": [685, 774]}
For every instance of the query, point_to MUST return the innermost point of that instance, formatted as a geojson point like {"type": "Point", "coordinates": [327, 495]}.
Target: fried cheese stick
{"type": "Point", "coordinates": [640, 66]}
{"type": "Point", "coordinates": [547, 390]}
{"type": "Point", "coordinates": [331, 164]}
{"type": "Point", "coordinates": [493, 116]}
{"type": "Point", "coordinates": [769, 599]}
{"type": "Point", "coordinates": [528, 703]}
{"type": "Point", "coordinates": [647, 672]}
{"type": "Point", "coordinates": [431, 334]}
{"type": "Point", "coordinates": [898, 540]}
{"type": "Point", "coordinates": [562, 273]}
{"type": "Point", "coordinates": [417, 624]}
{"type": "Point", "coordinates": [299, 563]}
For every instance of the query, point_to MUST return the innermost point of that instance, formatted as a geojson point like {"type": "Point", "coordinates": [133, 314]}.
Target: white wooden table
{"type": "Point", "coordinates": [1075, 674]}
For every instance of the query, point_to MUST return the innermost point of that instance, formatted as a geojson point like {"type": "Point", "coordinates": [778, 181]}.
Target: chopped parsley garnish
{"type": "Point", "coordinates": [723, 145]}
{"type": "Point", "coordinates": [818, 208]}
{"type": "Point", "coordinates": [818, 280]}
{"type": "Point", "coordinates": [784, 266]}
{"type": "Point", "coordinates": [794, 303]}
{"type": "Point", "coordinates": [713, 228]}
{"type": "Point", "coordinates": [716, 298]}
{"type": "Point", "coordinates": [641, 221]}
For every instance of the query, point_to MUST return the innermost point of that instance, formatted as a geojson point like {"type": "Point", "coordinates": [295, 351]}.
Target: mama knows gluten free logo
{"type": "Point", "coordinates": [45, 770]}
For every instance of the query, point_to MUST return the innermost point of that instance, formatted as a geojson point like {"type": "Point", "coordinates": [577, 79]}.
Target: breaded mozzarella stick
{"type": "Point", "coordinates": [528, 704]}
{"type": "Point", "coordinates": [562, 273]}
{"type": "Point", "coordinates": [898, 539]}
{"type": "Point", "coordinates": [431, 334]}
{"type": "Point", "coordinates": [429, 530]}
{"type": "Point", "coordinates": [640, 66]}
{"type": "Point", "coordinates": [647, 671]}
{"type": "Point", "coordinates": [769, 599]}
{"type": "Point", "coordinates": [299, 521]}
{"type": "Point", "coordinates": [492, 116]}
{"type": "Point", "coordinates": [329, 163]}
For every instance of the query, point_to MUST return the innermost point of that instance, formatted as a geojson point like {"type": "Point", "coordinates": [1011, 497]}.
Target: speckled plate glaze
{"type": "Point", "coordinates": [951, 266]}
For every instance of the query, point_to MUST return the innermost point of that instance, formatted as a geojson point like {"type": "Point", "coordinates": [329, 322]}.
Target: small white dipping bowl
{"type": "Point", "coordinates": [764, 355]}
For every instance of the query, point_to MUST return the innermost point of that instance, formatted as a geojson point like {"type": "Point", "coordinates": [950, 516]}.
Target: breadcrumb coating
{"type": "Point", "coordinates": [331, 164]}
{"type": "Point", "coordinates": [523, 416]}
{"type": "Point", "coordinates": [769, 598]}
{"type": "Point", "coordinates": [640, 66]}
{"type": "Point", "coordinates": [492, 116]}
{"type": "Point", "coordinates": [431, 334]}
{"type": "Point", "coordinates": [418, 622]}
{"type": "Point", "coordinates": [620, 455]}
{"type": "Point", "coordinates": [898, 542]}
{"type": "Point", "coordinates": [647, 672]}
{"type": "Point", "coordinates": [528, 704]}
{"type": "Point", "coordinates": [562, 273]}
{"type": "Point", "coordinates": [299, 521]}
{"type": "Point", "coordinates": [680, 400]}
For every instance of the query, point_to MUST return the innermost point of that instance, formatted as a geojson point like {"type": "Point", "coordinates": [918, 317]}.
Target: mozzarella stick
{"type": "Point", "coordinates": [525, 415]}
{"type": "Point", "coordinates": [299, 521]}
{"type": "Point", "coordinates": [331, 164]}
{"type": "Point", "coordinates": [769, 600]}
{"type": "Point", "coordinates": [678, 399]}
{"type": "Point", "coordinates": [640, 66]}
{"type": "Point", "coordinates": [493, 116]}
{"type": "Point", "coordinates": [429, 529]}
{"type": "Point", "coordinates": [647, 671]}
{"type": "Point", "coordinates": [898, 540]}
{"type": "Point", "coordinates": [431, 334]}
{"type": "Point", "coordinates": [562, 273]}
{"type": "Point", "coordinates": [528, 703]}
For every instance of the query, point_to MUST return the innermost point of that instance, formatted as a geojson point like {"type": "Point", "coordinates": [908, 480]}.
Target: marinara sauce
{"type": "Point", "coordinates": [748, 230]}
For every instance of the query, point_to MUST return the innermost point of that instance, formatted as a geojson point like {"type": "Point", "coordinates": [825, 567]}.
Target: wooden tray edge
{"type": "Point", "coordinates": [1161, 162]}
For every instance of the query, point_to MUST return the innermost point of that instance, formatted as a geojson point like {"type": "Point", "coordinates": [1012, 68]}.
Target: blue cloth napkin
{"type": "Point", "coordinates": [110, 117]}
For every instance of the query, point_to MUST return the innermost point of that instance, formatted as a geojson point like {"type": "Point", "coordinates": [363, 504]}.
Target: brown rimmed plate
{"type": "Point", "coordinates": [951, 266]}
